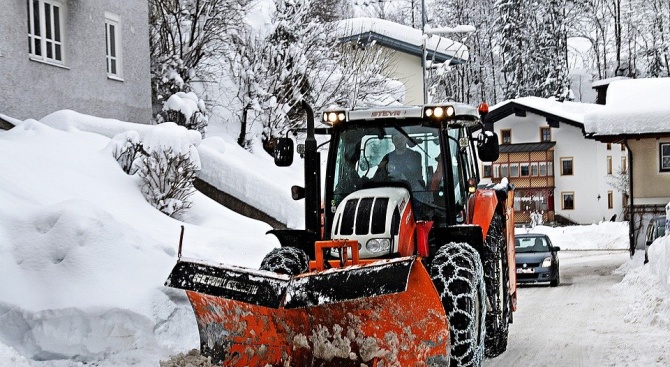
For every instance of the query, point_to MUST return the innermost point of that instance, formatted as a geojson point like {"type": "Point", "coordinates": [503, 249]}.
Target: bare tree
{"type": "Point", "coordinates": [185, 36]}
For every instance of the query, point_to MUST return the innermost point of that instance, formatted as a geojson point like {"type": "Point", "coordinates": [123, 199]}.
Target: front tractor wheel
{"type": "Point", "coordinates": [496, 277]}
{"type": "Point", "coordinates": [456, 271]}
{"type": "Point", "coordinates": [286, 260]}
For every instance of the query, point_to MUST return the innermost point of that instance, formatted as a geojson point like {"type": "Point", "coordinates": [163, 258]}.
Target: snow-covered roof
{"type": "Point", "coordinates": [569, 112]}
{"type": "Point", "coordinates": [403, 38]}
{"type": "Point", "coordinates": [601, 82]}
{"type": "Point", "coordinates": [634, 107]}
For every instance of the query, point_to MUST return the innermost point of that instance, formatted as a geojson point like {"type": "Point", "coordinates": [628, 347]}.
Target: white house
{"type": "Point", "coordinates": [88, 56]}
{"type": "Point", "coordinates": [556, 170]}
{"type": "Point", "coordinates": [636, 114]}
{"type": "Point", "coordinates": [406, 45]}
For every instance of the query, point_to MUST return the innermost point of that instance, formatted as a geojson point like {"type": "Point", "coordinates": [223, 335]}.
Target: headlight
{"type": "Point", "coordinates": [546, 263]}
{"type": "Point", "coordinates": [378, 245]}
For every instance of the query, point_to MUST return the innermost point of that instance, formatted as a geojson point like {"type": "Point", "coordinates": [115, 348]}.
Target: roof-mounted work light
{"type": "Point", "coordinates": [333, 118]}
{"type": "Point", "coordinates": [439, 113]}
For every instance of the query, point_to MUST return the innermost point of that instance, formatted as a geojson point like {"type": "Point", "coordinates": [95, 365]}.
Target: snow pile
{"type": "Point", "coordinates": [261, 185]}
{"type": "Point", "coordinates": [648, 287]}
{"type": "Point", "coordinates": [68, 120]}
{"type": "Point", "coordinates": [84, 256]}
{"type": "Point", "coordinates": [603, 236]}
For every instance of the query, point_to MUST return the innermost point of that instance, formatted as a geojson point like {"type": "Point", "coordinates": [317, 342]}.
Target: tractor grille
{"type": "Point", "coordinates": [364, 216]}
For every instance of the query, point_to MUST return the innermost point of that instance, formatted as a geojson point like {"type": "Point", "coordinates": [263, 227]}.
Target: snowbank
{"type": "Point", "coordinates": [84, 256]}
{"type": "Point", "coordinates": [648, 286]}
{"type": "Point", "coordinates": [603, 236]}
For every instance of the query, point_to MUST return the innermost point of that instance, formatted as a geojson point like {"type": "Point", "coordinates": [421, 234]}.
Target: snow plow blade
{"type": "Point", "coordinates": [385, 312]}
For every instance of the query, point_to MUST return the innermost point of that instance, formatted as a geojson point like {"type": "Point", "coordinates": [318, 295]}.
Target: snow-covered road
{"type": "Point", "coordinates": [581, 322]}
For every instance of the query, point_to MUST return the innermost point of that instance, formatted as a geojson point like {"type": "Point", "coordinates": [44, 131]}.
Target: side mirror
{"type": "Point", "coordinates": [283, 152]}
{"type": "Point", "coordinates": [487, 146]}
{"type": "Point", "coordinates": [556, 248]}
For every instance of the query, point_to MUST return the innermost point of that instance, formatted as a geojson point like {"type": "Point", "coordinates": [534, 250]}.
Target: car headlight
{"type": "Point", "coordinates": [378, 245]}
{"type": "Point", "coordinates": [546, 263]}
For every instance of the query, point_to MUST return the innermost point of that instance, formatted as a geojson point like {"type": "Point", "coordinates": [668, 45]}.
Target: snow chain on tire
{"type": "Point", "coordinates": [458, 276]}
{"type": "Point", "coordinates": [496, 278]}
{"type": "Point", "coordinates": [286, 260]}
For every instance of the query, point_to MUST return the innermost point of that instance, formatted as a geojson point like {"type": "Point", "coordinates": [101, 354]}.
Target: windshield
{"type": "Point", "coordinates": [402, 155]}
{"type": "Point", "coordinates": [531, 244]}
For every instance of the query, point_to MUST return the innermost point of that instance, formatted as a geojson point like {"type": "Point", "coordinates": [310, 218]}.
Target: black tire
{"type": "Point", "coordinates": [456, 271]}
{"type": "Point", "coordinates": [557, 279]}
{"type": "Point", "coordinates": [286, 260]}
{"type": "Point", "coordinates": [496, 277]}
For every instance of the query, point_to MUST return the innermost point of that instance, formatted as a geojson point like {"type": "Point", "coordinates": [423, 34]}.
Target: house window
{"type": "Point", "coordinates": [113, 43]}
{"type": "Point", "coordinates": [609, 146]}
{"type": "Point", "coordinates": [664, 157]}
{"type": "Point", "coordinates": [624, 165]}
{"type": "Point", "coordinates": [496, 171]}
{"type": "Point", "coordinates": [566, 167]}
{"type": "Point", "coordinates": [609, 164]}
{"type": "Point", "coordinates": [504, 170]}
{"type": "Point", "coordinates": [610, 200]}
{"type": "Point", "coordinates": [506, 136]}
{"type": "Point", "coordinates": [514, 170]}
{"type": "Point", "coordinates": [525, 169]}
{"type": "Point", "coordinates": [545, 134]}
{"type": "Point", "coordinates": [45, 34]}
{"type": "Point", "coordinates": [487, 170]}
{"type": "Point", "coordinates": [533, 169]}
{"type": "Point", "coordinates": [567, 200]}
{"type": "Point", "coordinates": [543, 168]}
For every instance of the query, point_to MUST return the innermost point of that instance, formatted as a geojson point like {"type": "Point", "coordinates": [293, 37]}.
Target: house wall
{"type": "Point", "coordinates": [590, 177]}
{"type": "Point", "coordinates": [408, 71]}
{"type": "Point", "coordinates": [650, 185]}
{"type": "Point", "coordinates": [33, 89]}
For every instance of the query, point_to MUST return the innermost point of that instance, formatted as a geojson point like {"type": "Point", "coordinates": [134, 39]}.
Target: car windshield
{"type": "Point", "coordinates": [531, 244]}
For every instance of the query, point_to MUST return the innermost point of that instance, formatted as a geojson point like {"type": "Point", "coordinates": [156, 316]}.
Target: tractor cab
{"type": "Point", "coordinates": [428, 150]}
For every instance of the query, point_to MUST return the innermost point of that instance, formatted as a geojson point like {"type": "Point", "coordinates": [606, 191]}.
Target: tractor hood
{"type": "Point", "coordinates": [380, 219]}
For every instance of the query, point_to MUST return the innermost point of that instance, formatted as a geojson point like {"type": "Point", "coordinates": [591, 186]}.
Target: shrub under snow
{"type": "Point", "coordinates": [188, 110]}
{"type": "Point", "coordinates": [167, 160]}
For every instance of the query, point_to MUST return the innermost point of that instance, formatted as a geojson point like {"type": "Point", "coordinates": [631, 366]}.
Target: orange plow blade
{"type": "Point", "coordinates": [383, 313]}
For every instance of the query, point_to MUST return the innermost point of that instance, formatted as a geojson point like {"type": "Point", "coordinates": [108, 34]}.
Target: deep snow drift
{"type": "Point", "coordinates": [84, 257]}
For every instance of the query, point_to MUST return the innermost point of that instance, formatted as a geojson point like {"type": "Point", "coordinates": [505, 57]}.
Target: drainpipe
{"type": "Point", "coordinates": [631, 222]}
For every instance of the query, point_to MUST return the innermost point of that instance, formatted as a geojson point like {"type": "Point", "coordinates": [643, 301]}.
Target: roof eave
{"type": "Point", "coordinates": [402, 46]}
{"type": "Point", "coordinates": [512, 107]}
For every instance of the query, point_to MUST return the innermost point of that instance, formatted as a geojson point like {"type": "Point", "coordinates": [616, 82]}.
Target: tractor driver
{"type": "Point", "coordinates": [401, 164]}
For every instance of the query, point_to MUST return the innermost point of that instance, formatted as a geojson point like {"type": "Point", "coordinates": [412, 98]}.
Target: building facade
{"type": "Point", "coordinates": [556, 170]}
{"type": "Point", "coordinates": [637, 115]}
{"type": "Point", "coordinates": [406, 48]}
{"type": "Point", "coordinates": [87, 56]}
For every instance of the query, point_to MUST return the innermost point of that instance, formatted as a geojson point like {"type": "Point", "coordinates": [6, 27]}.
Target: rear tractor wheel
{"type": "Point", "coordinates": [456, 271]}
{"type": "Point", "coordinates": [286, 260]}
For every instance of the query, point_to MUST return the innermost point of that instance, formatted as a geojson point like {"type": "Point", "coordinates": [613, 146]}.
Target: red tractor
{"type": "Point", "coordinates": [403, 261]}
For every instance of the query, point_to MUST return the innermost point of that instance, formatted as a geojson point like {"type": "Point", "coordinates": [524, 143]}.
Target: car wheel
{"type": "Point", "coordinates": [456, 271]}
{"type": "Point", "coordinates": [286, 260]}
{"type": "Point", "coordinates": [557, 279]}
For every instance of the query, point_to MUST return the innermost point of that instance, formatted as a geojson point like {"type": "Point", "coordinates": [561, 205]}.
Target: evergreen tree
{"type": "Point", "coordinates": [512, 26]}
{"type": "Point", "coordinates": [548, 71]}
